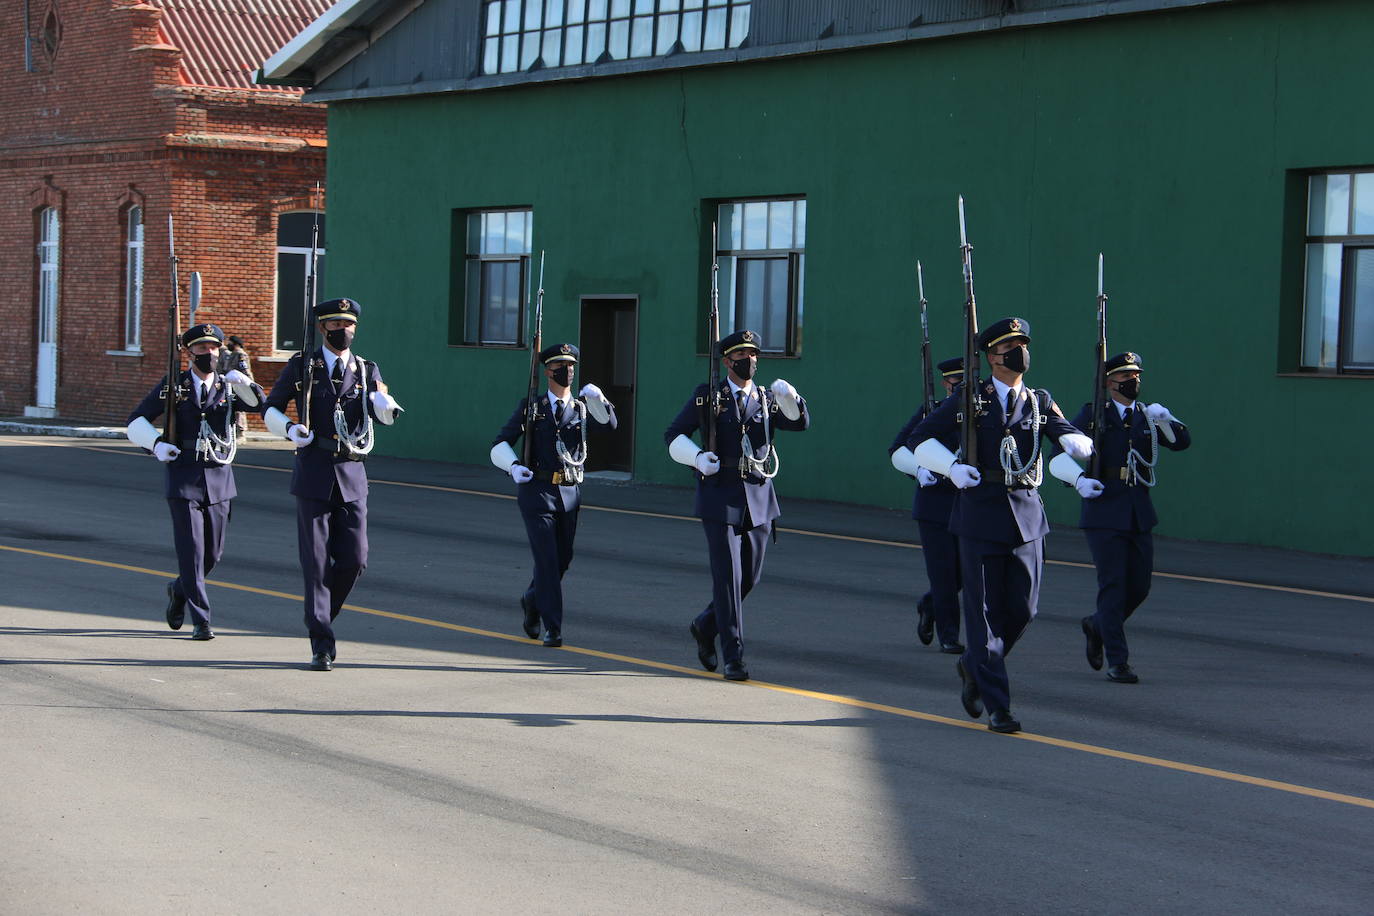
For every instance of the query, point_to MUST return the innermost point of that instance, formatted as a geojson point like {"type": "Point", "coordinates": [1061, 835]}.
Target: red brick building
{"type": "Point", "coordinates": [115, 114]}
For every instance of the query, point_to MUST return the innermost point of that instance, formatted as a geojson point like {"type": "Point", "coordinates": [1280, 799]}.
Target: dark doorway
{"type": "Point", "coordinates": [609, 331]}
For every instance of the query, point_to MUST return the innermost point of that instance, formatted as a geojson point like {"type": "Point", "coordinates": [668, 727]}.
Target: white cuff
{"type": "Point", "coordinates": [245, 393]}
{"type": "Point", "coordinates": [277, 422]}
{"type": "Point", "coordinates": [905, 461]}
{"type": "Point", "coordinates": [1065, 468]}
{"type": "Point", "coordinates": [503, 456]}
{"type": "Point", "coordinates": [143, 433]}
{"type": "Point", "coordinates": [684, 451]}
{"type": "Point", "coordinates": [934, 456]}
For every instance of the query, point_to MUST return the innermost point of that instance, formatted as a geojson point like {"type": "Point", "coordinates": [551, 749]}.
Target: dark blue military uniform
{"type": "Point", "coordinates": [198, 490]}
{"type": "Point", "coordinates": [931, 508]}
{"type": "Point", "coordinates": [737, 512]}
{"type": "Point", "coordinates": [550, 502]}
{"type": "Point", "coordinates": [1000, 529]}
{"type": "Point", "coordinates": [1118, 524]}
{"type": "Point", "coordinates": [330, 486]}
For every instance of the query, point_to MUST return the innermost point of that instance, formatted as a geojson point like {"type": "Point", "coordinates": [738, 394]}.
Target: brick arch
{"type": "Point", "coordinates": [46, 195]}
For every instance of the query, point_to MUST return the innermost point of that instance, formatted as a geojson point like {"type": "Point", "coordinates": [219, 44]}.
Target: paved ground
{"type": "Point", "coordinates": [448, 764]}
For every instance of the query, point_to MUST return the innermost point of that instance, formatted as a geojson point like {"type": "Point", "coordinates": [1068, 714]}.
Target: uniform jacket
{"type": "Point", "coordinates": [187, 477]}
{"type": "Point", "coordinates": [992, 511]}
{"type": "Point", "coordinates": [539, 496]}
{"type": "Point", "coordinates": [726, 496]}
{"type": "Point", "coordinates": [319, 466]}
{"type": "Point", "coordinates": [935, 502]}
{"type": "Point", "coordinates": [1122, 507]}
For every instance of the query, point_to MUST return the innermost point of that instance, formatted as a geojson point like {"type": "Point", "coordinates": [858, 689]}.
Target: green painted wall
{"type": "Point", "coordinates": [1166, 141]}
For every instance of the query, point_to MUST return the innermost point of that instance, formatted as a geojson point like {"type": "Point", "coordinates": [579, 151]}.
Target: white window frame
{"type": "Point", "coordinates": [133, 279]}
{"type": "Point", "coordinates": [303, 252]}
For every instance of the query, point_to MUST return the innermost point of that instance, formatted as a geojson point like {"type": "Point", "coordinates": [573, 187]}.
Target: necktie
{"type": "Point", "coordinates": [741, 399]}
{"type": "Point", "coordinates": [558, 410]}
{"type": "Point", "coordinates": [1011, 404]}
{"type": "Point", "coordinates": [337, 375]}
{"type": "Point", "coordinates": [204, 393]}
{"type": "Point", "coordinates": [1126, 418]}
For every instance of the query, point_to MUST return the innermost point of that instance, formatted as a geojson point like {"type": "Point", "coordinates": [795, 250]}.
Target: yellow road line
{"type": "Point", "coordinates": [854, 702]}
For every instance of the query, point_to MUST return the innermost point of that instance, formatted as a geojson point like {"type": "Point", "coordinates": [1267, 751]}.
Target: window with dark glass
{"type": "Point", "coordinates": [294, 233]}
{"type": "Point", "coordinates": [1338, 303]}
{"type": "Point", "coordinates": [517, 34]}
{"type": "Point", "coordinates": [762, 258]}
{"type": "Point", "coordinates": [496, 268]}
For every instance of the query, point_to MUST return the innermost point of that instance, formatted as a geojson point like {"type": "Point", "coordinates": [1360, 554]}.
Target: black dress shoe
{"type": "Point", "coordinates": [553, 638]}
{"type": "Point", "coordinates": [531, 617]}
{"type": "Point", "coordinates": [735, 671]}
{"type": "Point", "coordinates": [925, 619]}
{"type": "Point", "coordinates": [1000, 720]}
{"type": "Point", "coordinates": [706, 648]}
{"type": "Point", "coordinates": [321, 661]}
{"type": "Point", "coordinates": [1122, 674]}
{"type": "Point", "coordinates": [969, 696]}
{"type": "Point", "coordinates": [202, 632]}
{"type": "Point", "coordinates": [1094, 645]}
{"type": "Point", "coordinates": [952, 648]}
{"type": "Point", "coordinates": [176, 606]}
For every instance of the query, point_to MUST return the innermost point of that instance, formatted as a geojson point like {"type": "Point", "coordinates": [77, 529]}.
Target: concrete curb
{"type": "Point", "coordinates": [49, 429]}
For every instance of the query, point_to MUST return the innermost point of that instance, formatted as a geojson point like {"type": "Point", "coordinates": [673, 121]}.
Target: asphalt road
{"type": "Point", "coordinates": [450, 765]}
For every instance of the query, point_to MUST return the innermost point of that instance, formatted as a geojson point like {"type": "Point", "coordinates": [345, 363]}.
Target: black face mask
{"type": "Point", "coordinates": [562, 375]}
{"type": "Point", "coordinates": [205, 362]}
{"type": "Point", "coordinates": [340, 338]}
{"type": "Point", "coordinates": [1018, 359]}
{"type": "Point", "coordinates": [1129, 388]}
{"type": "Point", "coordinates": [744, 368]}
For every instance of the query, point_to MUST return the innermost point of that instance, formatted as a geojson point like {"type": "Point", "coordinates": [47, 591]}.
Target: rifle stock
{"type": "Point", "coordinates": [173, 388]}
{"type": "Point", "coordinates": [1099, 378]}
{"type": "Point", "coordinates": [971, 402]}
{"type": "Point", "coordinates": [712, 345]}
{"type": "Point", "coordinates": [532, 394]}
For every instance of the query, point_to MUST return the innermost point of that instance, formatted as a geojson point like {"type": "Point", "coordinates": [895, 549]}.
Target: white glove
{"type": "Point", "coordinates": [165, 452]}
{"type": "Point", "coordinates": [1076, 445]}
{"type": "Point", "coordinates": [926, 478]}
{"type": "Point", "coordinates": [964, 476]}
{"type": "Point", "coordinates": [1158, 413]}
{"type": "Point", "coordinates": [1088, 488]}
{"type": "Point", "coordinates": [521, 474]}
{"type": "Point", "coordinates": [787, 398]}
{"type": "Point", "coordinates": [707, 463]}
{"type": "Point", "coordinates": [385, 407]}
{"type": "Point", "coordinates": [591, 391]}
{"type": "Point", "coordinates": [299, 435]}
{"type": "Point", "coordinates": [235, 377]}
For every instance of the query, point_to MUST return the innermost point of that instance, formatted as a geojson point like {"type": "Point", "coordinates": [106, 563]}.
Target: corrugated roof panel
{"type": "Point", "coordinates": [224, 42]}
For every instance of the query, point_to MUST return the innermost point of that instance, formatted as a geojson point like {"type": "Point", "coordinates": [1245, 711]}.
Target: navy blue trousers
{"type": "Point", "coordinates": [198, 533]}
{"type": "Point", "coordinates": [1001, 591]}
{"type": "Point", "coordinates": [941, 551]}
{"type": "Point", "coordinates": [551, 537]}
{"type": "Point", "coordinates": [332, 537]}
{"type": "Point", "coordinates": [1124, 560]}
{"type": "Point", "coordinates": [736, 567]}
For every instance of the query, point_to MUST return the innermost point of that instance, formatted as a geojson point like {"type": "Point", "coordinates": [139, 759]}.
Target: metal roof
{"type": "Point", "coordinates": [224, 42]}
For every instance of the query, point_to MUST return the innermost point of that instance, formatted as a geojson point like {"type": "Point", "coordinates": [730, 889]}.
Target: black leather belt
{"type": "Point", "coordinates": [554, 477]}
{"type": "Point", "coordinates": [332, 445]}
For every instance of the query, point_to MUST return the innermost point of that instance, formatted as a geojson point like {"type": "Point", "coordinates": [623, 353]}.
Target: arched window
{"type": "Point", "coordinates": [133, 278]}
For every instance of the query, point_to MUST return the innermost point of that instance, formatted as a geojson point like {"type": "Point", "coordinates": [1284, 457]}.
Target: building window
{"type": "Point", "coordinates": [496, 271]}
{"type": "Point", "coordinates": [1338, 305]}
{"type": "Point", "coordinates": [49, 248]}
{"type": "Point", "coordinates": [762, 257]}
{"type": "Point", "coordinates": [133, 278]}
{"type": "Point", "coordinates": [294, 232]}
{"type": "Point", "coordinates": [518, 34]}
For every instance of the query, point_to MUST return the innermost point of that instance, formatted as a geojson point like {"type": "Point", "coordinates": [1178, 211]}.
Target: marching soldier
{"type": "Point", "coordinates": [328, 479]}
{"type": "Point", "coordinates": [1118, 515]}
{"type": "Point", "coordinates": [549, 492]}
{"type": "Point", "coordinates": [937, 611]}
{"type": "Point", "coordinates": [735, 499]}
{"type": "Point", "coordinates": [200, 475]}
{"type": "Point", "coordinates": [998, 516]}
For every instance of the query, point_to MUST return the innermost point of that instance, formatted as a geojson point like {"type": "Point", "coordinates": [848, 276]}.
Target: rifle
{"type": "Point", "coordinates": [312, 283]}
{"type": "Point", "coordinates": [536, 344]}
{"type": "Point", "coordinates": [173, 387]}
{"type": "Point", "coordinates": [712, 345]}
{"type": "Point", "coordinates": [1100, 378]}
{"type": "Point", "coordinates": [928, 373]}
{"type": "Point", "coordinates": [972, 404]}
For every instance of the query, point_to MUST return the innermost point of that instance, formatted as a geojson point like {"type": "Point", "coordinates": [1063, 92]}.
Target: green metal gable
{"type": "Point", "coordinates": [1174, 143]}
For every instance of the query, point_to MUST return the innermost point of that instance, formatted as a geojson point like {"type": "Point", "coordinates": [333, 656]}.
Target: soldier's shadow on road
{"type": "Point", "coordinates": [103, 632]}
{"type": "Point", "coordinates": [553, 720]}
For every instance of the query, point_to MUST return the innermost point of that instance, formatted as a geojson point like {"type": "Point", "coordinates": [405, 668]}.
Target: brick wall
{"type": "Point", "coordinates": [105, 124]}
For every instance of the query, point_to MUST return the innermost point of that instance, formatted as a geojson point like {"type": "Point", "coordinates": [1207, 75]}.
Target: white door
{"type": "Point", "coordinates": [45, 384]}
